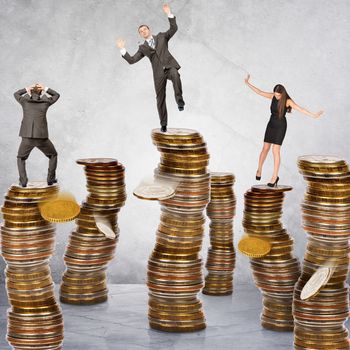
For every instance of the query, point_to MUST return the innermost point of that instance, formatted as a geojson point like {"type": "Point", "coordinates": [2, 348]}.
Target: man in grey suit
{"type": "Point", "coordinates": [164, 65]}
{"type": "Point", "coordinates": [34, 131]}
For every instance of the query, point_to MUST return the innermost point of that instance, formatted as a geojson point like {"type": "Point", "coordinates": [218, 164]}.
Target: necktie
{"type": "Point", "coordinates": [151, 43]}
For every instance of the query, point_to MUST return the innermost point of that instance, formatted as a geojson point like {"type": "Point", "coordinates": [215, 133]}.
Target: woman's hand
{"type": "Point", "coordinates": [268, 95]}
{"type": "Point", "coordinates": [291, 103]}
{"type": "Point", "coordinates": [317, 115]}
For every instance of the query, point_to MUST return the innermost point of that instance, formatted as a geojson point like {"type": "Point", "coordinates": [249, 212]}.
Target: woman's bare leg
{"type": "Point", "coordinates": [263, 154]}
{"type": "Point", "coordinates": [276, 161]}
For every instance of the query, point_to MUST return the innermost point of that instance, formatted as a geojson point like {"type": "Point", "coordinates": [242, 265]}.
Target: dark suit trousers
{"type": "Point", "coordinates": [45, 146]}
{"type": "Point", "coordinates": [160, 86]}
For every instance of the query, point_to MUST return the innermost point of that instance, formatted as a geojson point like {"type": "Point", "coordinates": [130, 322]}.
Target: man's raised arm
{"type": "Point", "coordinates": [172, 20]}
{"type": "Point", "coordinates": [130, 59]}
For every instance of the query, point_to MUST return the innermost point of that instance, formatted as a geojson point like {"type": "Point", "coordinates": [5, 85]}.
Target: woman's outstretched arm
{"type": "Point", "coordinates": [256, 90]}
{"type": "Point", "coordinates": [291, 103]}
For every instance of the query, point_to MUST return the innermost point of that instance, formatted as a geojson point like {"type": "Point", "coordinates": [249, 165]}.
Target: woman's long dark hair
{"type": "Point", "coordinates": [283, 100]}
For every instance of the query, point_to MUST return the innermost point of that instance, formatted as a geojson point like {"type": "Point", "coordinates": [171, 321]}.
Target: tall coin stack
{"type": "Point", "coordinates": [89, 250]}
{"type": "Point", "coordinates": [221, 254]}
{"type": "Point", "coordinates": [319, 320]}
{"type": "Point", "coordinates": [27, 243]}
{"type": "Point", "coordinates": [175, 267]}
{"type": "Point", "coordinates": [276, 273]}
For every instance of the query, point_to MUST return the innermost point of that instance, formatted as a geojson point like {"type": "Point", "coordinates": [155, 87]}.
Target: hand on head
{"type": "Point", "coordinates": [35, 88]}
{"type": "Point", "coordinates": [41, 86]}
{"type": "Point", "coordinates": [166, 9]}
{"type": "Point", "coordinates": [120, 43]}
{"type": "Point", "coordinates": [29, 88]}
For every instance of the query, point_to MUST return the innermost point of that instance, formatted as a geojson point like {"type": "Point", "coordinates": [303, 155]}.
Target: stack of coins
{"type": "Point", "coordinates": [221, 254]}
{"type": "Point", "coordinates": [275, 274]}
{"type": "Point", "coordinates": [319, 320]}
{"type": "Point", "coordinates": [175, 267]}
{"type": "Point", "coordinates": [89, 250]}
{"type": "Point", "coordinates": [27, 243]}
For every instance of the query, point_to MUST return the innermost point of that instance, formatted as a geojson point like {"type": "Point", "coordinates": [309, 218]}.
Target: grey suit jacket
{"type": "Point", "coordinates": [34, 122]}
{"type": "Point", "coordinates": [160, 57]}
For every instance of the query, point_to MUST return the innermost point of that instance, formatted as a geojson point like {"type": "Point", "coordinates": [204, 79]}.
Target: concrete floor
{"type": "Point", "coordinates": [121, 323]}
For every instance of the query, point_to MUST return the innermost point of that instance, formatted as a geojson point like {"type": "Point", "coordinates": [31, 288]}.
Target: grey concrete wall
{"type": "Point", "coordinates": [107, 108]}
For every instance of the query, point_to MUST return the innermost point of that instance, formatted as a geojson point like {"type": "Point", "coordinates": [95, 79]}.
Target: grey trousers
{"type": "Point", "coordinates": [45, 146]}
{"type": "Point", "coordinates": [160, 87]}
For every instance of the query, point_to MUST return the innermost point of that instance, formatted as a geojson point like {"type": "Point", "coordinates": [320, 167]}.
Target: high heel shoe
{"type": "Point", "coordinates": [257, 177]}
{"type": "Point", "coordinates": [273, 184]}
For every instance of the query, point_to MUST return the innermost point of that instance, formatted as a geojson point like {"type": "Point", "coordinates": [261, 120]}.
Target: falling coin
{"type": "Point", "coordinates": [155, 189]}
{"type": "Point", "coordinates": [104, 227]}
{"type": "Point", "coordinates": [254, 247]}
{"type": "Point", "coordinates": [316, 282]}
{"type": "Point", "coordinates": [61, 208]}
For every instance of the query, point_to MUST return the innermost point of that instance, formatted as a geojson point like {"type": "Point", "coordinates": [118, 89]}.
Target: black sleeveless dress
{"type": "Point", "coordinates": [277, 126]}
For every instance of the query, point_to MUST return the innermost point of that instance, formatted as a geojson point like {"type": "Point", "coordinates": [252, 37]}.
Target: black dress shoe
{"type": "Point", "coordinates": [163, 128]}
{"type": "Point", "coordinates": [181, 105]}
{"type": "Point", "coordinates": [23, 185]}
{"type": "Point", "coordinates": [258, 178]}
{"type": "Point", "coordinates": [51, 182]}
{"type": "Point", "coordinates": [273, 184]}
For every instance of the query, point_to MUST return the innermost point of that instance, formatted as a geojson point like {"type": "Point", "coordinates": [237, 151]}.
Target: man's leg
{"type": "Point", "coordinates": [174, 75]}
{"type": "Point", "coordinates": [24, 150]}
{"type": "Point", "coordinates": [160, 86]}
{"type": "Point", "coordinates": [47, 147]}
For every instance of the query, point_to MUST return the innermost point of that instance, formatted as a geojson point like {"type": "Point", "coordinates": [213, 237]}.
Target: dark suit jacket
{"type": "Point", "coordinates": [34, 123]}
{"type": "Point", "coordinates": [160, 57]}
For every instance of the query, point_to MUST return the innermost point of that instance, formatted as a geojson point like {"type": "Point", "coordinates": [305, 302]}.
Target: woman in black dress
{"type": "Point", "coordinates": [277, 126]}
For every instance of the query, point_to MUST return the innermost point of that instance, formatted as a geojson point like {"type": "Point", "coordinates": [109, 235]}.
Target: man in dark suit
{"type": "Point", "coordinates": [164, 65]}
{"type": "Point", "coordinates": [34, 131]}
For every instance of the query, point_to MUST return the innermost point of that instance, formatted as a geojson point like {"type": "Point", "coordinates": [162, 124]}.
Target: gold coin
{"type": "Point", "coordinates": [254, 247]}
{"type": "Point", "coordinates": [265, 188]}
{"type": "Point", "coordinates": [60, 209]}
{"type": "Point", "coordinates": [321, 160]}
